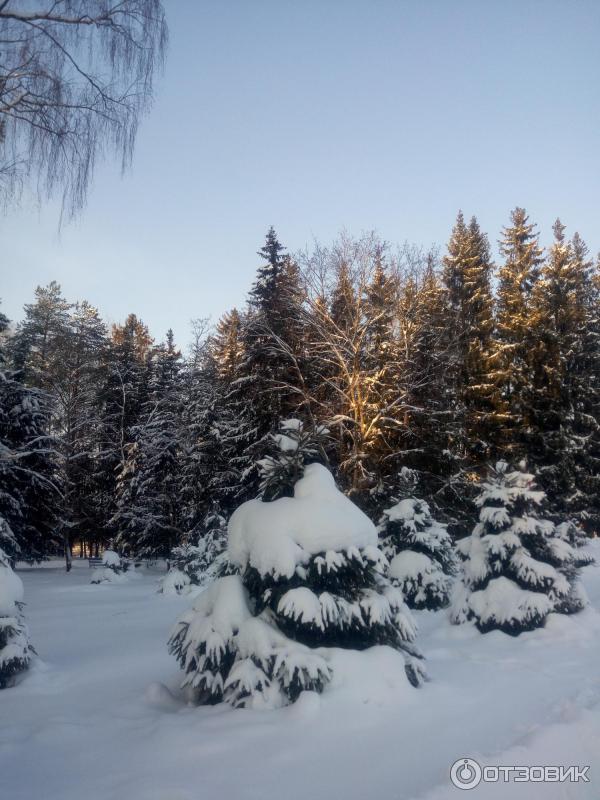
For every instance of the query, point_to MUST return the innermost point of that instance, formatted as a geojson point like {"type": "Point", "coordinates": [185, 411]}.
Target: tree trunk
{"type": "Point", "coordinates": [68, 554]}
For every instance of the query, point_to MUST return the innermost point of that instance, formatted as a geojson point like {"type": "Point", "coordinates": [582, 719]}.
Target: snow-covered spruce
{"type": "Point", "coordinates": [113, 569]}
{"type": "Point", "coordinates": [311, 577]}
{"type": "Point", "coordinates": [571, 533]}
{"type": "Point", "coordinates": [293, 447]}
{"type": "Point", "coordinates": [15, 650]}
{"type": "Point", "coordinates": [174, 582]}
{"type": "Point", "coordinates": [515, 569]}
{"type": "Point", "coordinates": [419, 549]}
{"type": "Point", "coordinates": [198, 565]}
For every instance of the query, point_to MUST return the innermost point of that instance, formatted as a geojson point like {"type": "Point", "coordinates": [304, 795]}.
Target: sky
{"type": "Point", "coordinates": [321, 115]}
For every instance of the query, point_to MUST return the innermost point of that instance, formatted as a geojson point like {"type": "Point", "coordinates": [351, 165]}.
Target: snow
{"type": "Point", "coordinates": [405, 510]}
{"type": "Point", "coordinates": [108, 575]}
{"type": "Point", "coordinates": [275, 537]}
{"type": "Point", "coordinates": [175, 582]}
{"type": "Point", "coordinates": [11, 591]}
{"type": "Point", "coordinates": [503, 601]}
{"type": "Point", "coordinates": [111, 559]}
{"type": "Point", "coordinates": [291, 424]}
{"type": "Point", "coordinates": [410, 565]}
{"type": "Point", "coordinates": [285, 443]}
{"type": "Point", "coordinates": [101, 716]}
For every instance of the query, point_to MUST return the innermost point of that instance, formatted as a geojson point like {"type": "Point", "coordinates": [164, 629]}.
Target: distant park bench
{"type": "Point", "coordinates": [97, 562]}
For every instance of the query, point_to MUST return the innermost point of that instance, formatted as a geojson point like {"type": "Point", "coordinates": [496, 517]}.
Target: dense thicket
{"type": "Point", "coordinates": [413, 361]}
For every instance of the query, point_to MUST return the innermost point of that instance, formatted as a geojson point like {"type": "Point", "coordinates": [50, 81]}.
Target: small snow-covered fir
{"type": "Point", "coordinates": [568, 531]}
{"type": "Point", "coordinates": [113, 569]}
{"type": "Point", "coordinates": [15, 649]}
{"type": "Point", "coordinates": [198, 565]}
{"type": "Point", "coordinates": [311, 576]}
{"type": "Point", "coordinates": [515, 570]}
{"type": "Point", "coordinates": [175, 582]}
{"type": "Point", "coordinates": [419, 549]}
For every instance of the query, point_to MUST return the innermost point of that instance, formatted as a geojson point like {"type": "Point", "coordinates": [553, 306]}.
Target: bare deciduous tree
{"type": "Point", "coordinates": [75, 78]}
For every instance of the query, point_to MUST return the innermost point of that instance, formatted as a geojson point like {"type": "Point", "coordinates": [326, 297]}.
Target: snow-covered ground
{"type": "Point", "coordinates": [93, 719]}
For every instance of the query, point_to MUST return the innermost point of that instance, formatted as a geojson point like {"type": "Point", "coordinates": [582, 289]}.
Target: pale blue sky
{"type": "Point", "coordinates": [314, 115]}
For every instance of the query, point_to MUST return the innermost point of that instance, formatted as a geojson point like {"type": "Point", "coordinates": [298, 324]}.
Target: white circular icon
{"type": "Point", "coordinates": [465, 773]}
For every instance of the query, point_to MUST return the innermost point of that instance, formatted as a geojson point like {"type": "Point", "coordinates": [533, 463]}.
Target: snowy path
{"type": "Point", "coordinates": [85, 724]}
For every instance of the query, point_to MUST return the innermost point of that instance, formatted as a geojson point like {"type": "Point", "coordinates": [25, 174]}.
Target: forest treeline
{"type": "Point", "coordinates": [422, 364]}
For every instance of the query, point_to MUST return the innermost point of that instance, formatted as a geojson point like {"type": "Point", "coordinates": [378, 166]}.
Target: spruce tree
{"type": "Point", "coordinates": [477, 416]}
{"type": "Point", "coordinates": [467, 273]}
{"type": "Point", "coordinates": [292, 448]}
{"type": "Point", "coordinates": [199, 564]}
{"type": "Point", "coordinates": [122, 393]}
{"type": "Point", "coordinates": [31, 470]}
{"type": "Point", "coordinates": [266, 384]}
{"type": "Point", "coordinates": [383, 365]}
{"type": "Point", "coordinates": [58, 349]}
{"type": "Point", "coordinates": [419, 549]}
{"type": "Point", "coordinates": [113, 568]}
{"type": "Point", "coordinates": [83, 355]}
{"type": "Point", "coordinates": [29, 480]}
{"type": "Point", "coordinates": [515, 570]}
{"type": "Point", "coordinates": [212, 437]}
{"type": "Point", "coordinates": [563, 399]}
{"type": "Point", "coordinates": [226, 348]}
{"type": "Point", "coordinates": [15, 649]}
{"type": "Point", "coordinates": [148, 516]}
{"type": "Point", "coordinates": [433, 419]}
{"type": "Point", "coordinates": [584, 367]}
{"type": "Point", "coordinates": [311, 576]}
{"type": "Point", "coordinates": [513, 343]}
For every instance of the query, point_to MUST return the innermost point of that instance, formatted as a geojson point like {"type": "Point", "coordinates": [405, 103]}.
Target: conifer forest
{"type": "Point", "coordinates": [421, 366]}
{"type": "Point", "coordinates": [299, 419]}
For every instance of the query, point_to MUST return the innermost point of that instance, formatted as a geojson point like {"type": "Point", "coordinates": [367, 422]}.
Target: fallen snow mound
{"type": "Point", "coordinates": [275, 537]}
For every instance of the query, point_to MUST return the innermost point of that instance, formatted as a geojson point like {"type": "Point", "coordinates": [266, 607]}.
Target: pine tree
{"type": "Point", "coordinates": [311, 576]}
{"type": "Point", "coordinates": [37, 346]}
{"type": "Point", "coordinates": [15, 649]}
{"type": "Point", "coordinates": [515, 569]}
